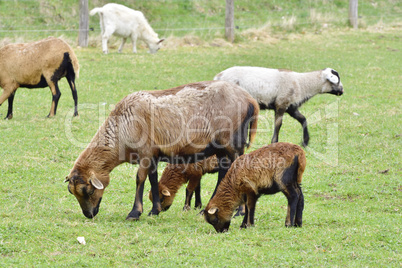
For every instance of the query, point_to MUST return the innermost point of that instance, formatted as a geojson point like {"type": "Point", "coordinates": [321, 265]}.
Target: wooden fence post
{"type": "Point", "coordinates": [229, 20]}
{"type": "Point", "coordinates": [353, 13]}
{"type": "Point", "coordinates": [84, 24]}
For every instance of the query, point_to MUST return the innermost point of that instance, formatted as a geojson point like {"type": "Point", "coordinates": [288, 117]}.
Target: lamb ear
{"type": "Point", "coordinates": [331, 77]}
{"type": "Point", "coordinates": [67, 179]}
{"type": "Point", "coordinates": [213, 210]}
{"type": "Point", "coordinates": [96, 183]}
{"type": "Point", "coordinates": [161, 40]}
{"type": "Point", "coordinates": [165, 192]}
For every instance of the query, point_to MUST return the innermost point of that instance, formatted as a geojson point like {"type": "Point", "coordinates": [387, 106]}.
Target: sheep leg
{"type": "Point", "coordinates": [198, 202]}
{"type": "Point", "coordinates": [105, 37]}
{"type": "Point", "coordinates": [138, 207]}
{"type": "Point", "coordinates": [278, 123]}
{"type": "Point", "coordinates": [187, 202]}
{"type": "Point", "coordinates": [10, 106]}
{"type": "Point", "coordinates": [248, 219]}
{"type": "Point", "coordinates": [194, 184]}
{"type": "Point", "coordinates": [56, 96]}
{"type": "Point", "coordinates": [71, 82]}
{"type": "Point", "coordinates": [295, 113]}
{"type": "Point", "coordinates": [7, 92]}
{"type": "Point", "coordinates": [153, 178]}
{"type": "Point", "coordinates": [224, 164]}
{"type": "Point", "coordinates": [299, 209]}
{"type": "Point", "coordinates": [122, 44]}
{"type": "Point", "coordinates": [134, 40]}
{"type": "Point", "coordinates": [293, 198]}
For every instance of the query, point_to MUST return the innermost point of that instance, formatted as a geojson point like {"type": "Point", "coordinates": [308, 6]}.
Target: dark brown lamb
{"type": "Point", "coordinates": [277, 167]}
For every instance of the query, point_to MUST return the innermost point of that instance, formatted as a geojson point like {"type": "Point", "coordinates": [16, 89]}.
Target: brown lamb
{"type": "Point", "coordinates": [274, 168]}
{"type": "Point", "coordinates": [174, 176]}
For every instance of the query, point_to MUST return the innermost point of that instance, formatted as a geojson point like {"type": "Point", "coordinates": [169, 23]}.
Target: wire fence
{"type": "Point", "coordinates": [181, 17]}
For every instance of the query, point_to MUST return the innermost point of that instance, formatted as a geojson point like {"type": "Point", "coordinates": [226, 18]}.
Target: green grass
{"type": "Point", "coordinates": [352, 210]}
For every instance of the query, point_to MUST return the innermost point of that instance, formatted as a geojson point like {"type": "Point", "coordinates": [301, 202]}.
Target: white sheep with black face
{"type": "Point", "coordinates": [283, 90]}
{"type": "Point", "coordinates": [125, 22]}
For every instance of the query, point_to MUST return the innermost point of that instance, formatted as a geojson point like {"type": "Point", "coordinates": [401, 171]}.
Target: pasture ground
{"type": "Point", "coordinates": [352, 184]}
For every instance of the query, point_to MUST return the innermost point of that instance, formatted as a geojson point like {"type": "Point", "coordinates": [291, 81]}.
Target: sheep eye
{"type": "Point", "coordinates": [87, 193]}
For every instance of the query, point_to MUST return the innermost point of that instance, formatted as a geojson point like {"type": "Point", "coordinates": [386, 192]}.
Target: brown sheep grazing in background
{"type": "Point", "coordinates": [174, 176]}
{"type": "Point", "coordinates": [274, 168]}
{"type": "Point", "coordinates": [180, 125]}
{"type": "Point", "coordinates": [37, 65]}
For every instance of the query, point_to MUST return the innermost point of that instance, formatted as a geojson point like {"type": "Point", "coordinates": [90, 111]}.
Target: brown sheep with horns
{"type": "Point", "coordinates": [183, 124]}
{"type": "Point", "coordinates": [274, 168]}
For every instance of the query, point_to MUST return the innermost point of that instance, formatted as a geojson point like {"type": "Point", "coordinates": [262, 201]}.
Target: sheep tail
{"type": "Point", "coordinates": [76, 66]}
{"type": "Point", "coordinates": [301, 155]}
{"type": "Point", "coordinates": [253, 123]}
{"type": "Point", "coordinates": [95, 10]}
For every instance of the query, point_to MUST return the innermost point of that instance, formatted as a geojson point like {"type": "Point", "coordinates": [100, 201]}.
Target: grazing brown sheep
{"type": "Point", "coordinates": [179, 125]}
{"type": "Point", "coordinates": [37, 65]}
{"type": "Point", "coordinates": [174, 176]}
{"type": "Point", "coordinates": [274, 168]}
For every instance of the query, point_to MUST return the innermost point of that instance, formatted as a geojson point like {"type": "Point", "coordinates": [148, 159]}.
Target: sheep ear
{"type": "Point", "coordinates": [67, 179]}
{"type": "Point", "coordinates": [96, 183]}
{"type": "Point", "coordinates": [213, 210]}
{"type": "Point", "coordinates": [165, 192]}
{"type": "Point", "coordinates": [332, 77]}
{"type": "Point", "coordinates": [161, 40]}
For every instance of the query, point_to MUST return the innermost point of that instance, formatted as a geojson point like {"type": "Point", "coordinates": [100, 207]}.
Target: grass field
{"type": "Point", "coordinates": [352, 184]}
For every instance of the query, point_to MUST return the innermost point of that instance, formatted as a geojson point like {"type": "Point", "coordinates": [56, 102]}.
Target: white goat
{"type": "Point", "coordinates": [125, 22]}
{"type": "Point", "coordinates": [283, 90]}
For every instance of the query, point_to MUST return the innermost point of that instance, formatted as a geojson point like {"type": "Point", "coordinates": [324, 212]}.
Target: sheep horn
{"type": "Point", "coordinates": [212, 210]}
{"type": "Point", "coordinates": [165, 192]}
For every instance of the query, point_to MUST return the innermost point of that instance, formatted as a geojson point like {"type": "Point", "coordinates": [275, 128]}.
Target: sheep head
{"type": "Point", "coordinates": [88, 190]}
{"type": "Point", "coordinates": [165, 197]}
{"type": "Point", "coordinates": [333, 83]}
{"type": "Point", "coordinates": [155, 46]}
{"type": "Point", "coordinates": [217, 218]}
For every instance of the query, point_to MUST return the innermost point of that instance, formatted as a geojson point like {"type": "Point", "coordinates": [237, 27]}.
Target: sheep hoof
{"type": "Point", "coordinates": [153, 213]}
{"type": "Point", "coordinates": [132, 219]}
{"type": "Point", "coordinates": [198, 206]}
{"type": "Point", "coordinates": [133, 216]}
{"type": "Point", "coordinates": [8, 117]}
{"type": "Point", "coordinates": [186, 208]}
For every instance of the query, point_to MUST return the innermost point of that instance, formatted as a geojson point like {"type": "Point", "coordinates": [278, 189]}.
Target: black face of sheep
{"type": "Point", "coordinates": [88, 193]}
{"type": "Point", "coordinates": [219, 222]}
{"type": "Point", "coordinates": [336, 85]}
